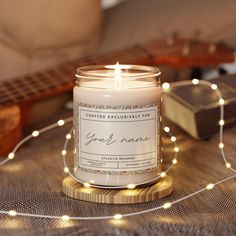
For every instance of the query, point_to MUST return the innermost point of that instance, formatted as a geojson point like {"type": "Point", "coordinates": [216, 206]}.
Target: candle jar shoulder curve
{"type": "Point", "coordinates": [117, 122]}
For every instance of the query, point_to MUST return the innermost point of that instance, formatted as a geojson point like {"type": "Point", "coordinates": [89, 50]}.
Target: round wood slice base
{"type": "Point", "coordinates": [76, 190]}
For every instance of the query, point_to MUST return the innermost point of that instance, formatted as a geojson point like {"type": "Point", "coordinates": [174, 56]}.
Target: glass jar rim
{"type": "Point", "coordinates": [130, 72]}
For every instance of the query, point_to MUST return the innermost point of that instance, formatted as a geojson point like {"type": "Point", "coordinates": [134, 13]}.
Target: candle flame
{"type": "Point", "coordinates": [117, 71]}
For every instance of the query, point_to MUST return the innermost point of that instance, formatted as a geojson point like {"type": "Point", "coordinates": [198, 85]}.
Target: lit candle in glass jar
{"type": "Point", "coordinates": [117, 113]}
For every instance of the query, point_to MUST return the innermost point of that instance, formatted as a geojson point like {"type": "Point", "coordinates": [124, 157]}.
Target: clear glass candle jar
{"type": "Point", "coordinates": [117, 124]}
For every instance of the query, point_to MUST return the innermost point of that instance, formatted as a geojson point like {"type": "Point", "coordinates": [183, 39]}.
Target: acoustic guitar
{"type": "Point", "coordinates": [19, 94]}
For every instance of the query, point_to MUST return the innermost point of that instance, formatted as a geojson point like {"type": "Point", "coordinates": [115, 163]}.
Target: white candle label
{"type": "Point", "coordinates": [118, 139]}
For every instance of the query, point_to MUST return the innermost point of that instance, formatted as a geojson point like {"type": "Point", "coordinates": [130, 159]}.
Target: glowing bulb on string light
{"type": "Point", "coordinates": [163, 174]}
{"type": "Point", "coordinates": [35, 133]}
{"type": "Point", "coordinates": [174, 161]}
{"type": "Point", "coordinates": [63, 152]}
{"type": "Point", "coordinates": [167, 205]}
{"type": "Point", "coordinates": [173, 138]}
{"type": "Point", "coordinates": [195, 81]}
{"type": "Point", "coordinates": [65, 217]}
{"type": "Point", "coordinates": [228, 165]}
{"type": "Point", "coordinates": [210, 186]}
{"type": "Point", "coordinates": [214, 86]}
{"type": "Point", "coordinates": [11, 155]}
{"type": "Point", "coordinates": [117, 216]}
{"type": "Point", "coordinates": [167, 129]}
{"type": "Point", "coordinates": [176, 149]}
{"type": "Point", "coordinates": [12, 213]}
{"type": "Point", "coordinates": [68, 136]}
{"type": "Point", "coordinates": [165, 86]}
{"type": "Point", "coordinates": [221, 145]}
{"type": "Point", "coordinates": [61, 122]}
{"type": "Point", "coordinates": [221, 101]}
{"type": "Point", "coordinates": [66, 169]}
{"type": "Point", "coordinates": [131, 186]}
{"type": "Point", "coordinates": [87, 185]}
{"type": "Point", "coordinates": [221, 122]}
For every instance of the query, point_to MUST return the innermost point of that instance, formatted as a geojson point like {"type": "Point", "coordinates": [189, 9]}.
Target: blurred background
{"type": "Point", "coordinates": [35, 35]}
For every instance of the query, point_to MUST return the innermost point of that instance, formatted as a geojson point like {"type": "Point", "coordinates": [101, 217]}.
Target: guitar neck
{"type": "Point", "coordinates": [60, 79]}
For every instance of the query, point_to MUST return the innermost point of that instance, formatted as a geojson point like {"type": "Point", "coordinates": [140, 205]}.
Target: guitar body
{"type": "Point", "coordinates": [10, 128]}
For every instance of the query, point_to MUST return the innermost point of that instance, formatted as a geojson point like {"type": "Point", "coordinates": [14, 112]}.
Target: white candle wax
{"type": "Point", "coordinates": [117, 132]}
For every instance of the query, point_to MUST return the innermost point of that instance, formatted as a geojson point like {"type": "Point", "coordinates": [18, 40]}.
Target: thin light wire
{"type": "Point", "coordinates": [123, 215]}
{"type": "Point", "coordinates": [219, 95]}
{"type": "Point", "coordinates": [168, 204]}
{"type": "Point", "coordinates": [30, 136]}
{"type": "Point", "coordinates": [114, 187]}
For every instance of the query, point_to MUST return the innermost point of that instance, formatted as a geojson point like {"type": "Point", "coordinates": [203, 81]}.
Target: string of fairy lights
{"type": "Point", "coordinates": [129, 186]}
{"type": "Point", "coordinates": [118, 216]}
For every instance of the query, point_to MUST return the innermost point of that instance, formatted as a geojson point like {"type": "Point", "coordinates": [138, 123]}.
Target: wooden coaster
{"type": "Point", "coordinates": [76, 190]}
